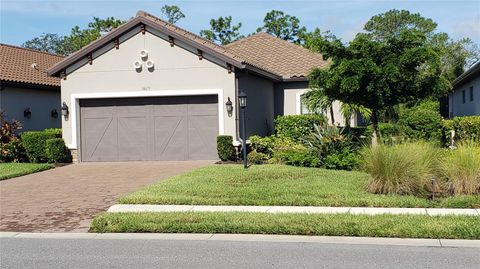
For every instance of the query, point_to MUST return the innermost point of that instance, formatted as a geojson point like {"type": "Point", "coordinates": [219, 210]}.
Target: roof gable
{"type": "Point", "coordinates": [27, 65]}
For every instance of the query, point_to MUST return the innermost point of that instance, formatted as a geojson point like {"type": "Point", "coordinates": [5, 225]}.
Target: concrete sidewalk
{"type": "Point", "coordinates": [424, 242]}
{"type": "Point", "coordinates": [295, 209]}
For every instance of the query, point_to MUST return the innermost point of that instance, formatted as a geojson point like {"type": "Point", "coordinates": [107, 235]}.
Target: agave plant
{"type": "Point", "coordinates": [326, 139]}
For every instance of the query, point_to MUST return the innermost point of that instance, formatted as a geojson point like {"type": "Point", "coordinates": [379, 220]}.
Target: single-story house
{"type": "Point", "coordinates": [464, 100]}
{"type": "Point", "coordinates": [149, 90]}
{"type": "Point", "coordinates": [27, 93]}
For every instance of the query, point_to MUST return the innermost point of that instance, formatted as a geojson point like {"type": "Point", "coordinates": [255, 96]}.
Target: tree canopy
{"type": "Point", "coordinates": [78, 38]}
{"type": "Point", "coordinates": [172, 13]}
{"type": "Point", "coordinates": [222, 30]}
{"type": "Point", "coordinates": [282, 25]}
{"type": "Point", "coordinates": [382, 67]}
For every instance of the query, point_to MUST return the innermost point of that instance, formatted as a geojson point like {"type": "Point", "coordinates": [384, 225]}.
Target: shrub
{"type": "Point", "coordinates": [297, 156]}
{"type": "Point", "coordinates": [56, 151]}
{"type": "Point", "coordinates": [344, 160]}
{"type": "Point", "coordinates": [225, 149]}
{"type": "Point", "coordinates": [256, 157]}
{"type": "Point", "coordinates": [422, 121]}
{"type": "Point", "coordinates": [400, 169]}
{"type": "Point", "coordinates": [263, 145]}
{"type": "Point", "coordinates": [11, 149]}
{"type": "Point", "coordinates": [35, 142]}
{"type": "Point", "coordinates": [461, 168]}
{"type": "Point", "coordinates": [466, 128]}
{"type": "Point", "coordinates": [296, 127]}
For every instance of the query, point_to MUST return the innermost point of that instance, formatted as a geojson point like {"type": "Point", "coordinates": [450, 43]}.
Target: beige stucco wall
{"type": "Point", "coordinates": [175, 69]}
{"type": "Point", "coordinates": [287, 102]}
{"type": "Point", "coordinates": [14, 101]}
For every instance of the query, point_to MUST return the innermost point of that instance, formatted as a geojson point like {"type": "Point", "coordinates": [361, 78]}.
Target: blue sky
{"type": "Point", "coordinates": [22, 20]}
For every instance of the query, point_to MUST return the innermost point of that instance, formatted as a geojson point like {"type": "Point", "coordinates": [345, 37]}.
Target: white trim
{"type": "Point", "coordinates": [298, 101]}
{"type": "Point", "coordinates": [74, 99]}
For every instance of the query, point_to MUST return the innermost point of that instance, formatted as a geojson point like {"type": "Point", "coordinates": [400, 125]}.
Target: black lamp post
{"type": "Point", "coordinates": [242, 102]}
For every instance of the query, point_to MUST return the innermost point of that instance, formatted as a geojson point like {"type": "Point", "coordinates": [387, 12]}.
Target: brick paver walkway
{"type": "Point", "coordinates": [67, 198]}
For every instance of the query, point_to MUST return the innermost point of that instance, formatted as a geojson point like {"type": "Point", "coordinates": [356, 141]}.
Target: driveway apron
{"type": "Point", "coordinates": [67, 198]}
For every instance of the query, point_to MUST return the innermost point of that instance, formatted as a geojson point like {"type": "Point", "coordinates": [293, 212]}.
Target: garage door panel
{"type": "Point", "coordinates": [202, 133]}
{"type": "Point", "coordinates": [100, 143]}
{"type": "Point", "coordinates": [132, 138]}
{"type": "Point", "coordinates": [170, 138]}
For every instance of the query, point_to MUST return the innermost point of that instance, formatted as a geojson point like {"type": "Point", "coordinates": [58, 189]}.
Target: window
{"type": "Point", "coordinates": [463, 97]}
{"type": "Point", "coordinates": [471, 93]}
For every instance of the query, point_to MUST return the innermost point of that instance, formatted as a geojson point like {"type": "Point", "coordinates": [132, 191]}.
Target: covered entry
{"type": "Point", "coordinates": [150, 128]}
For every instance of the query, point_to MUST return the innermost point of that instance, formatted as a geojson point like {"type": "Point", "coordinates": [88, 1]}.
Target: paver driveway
{"type": "Point", "coordinates": [67, 198]}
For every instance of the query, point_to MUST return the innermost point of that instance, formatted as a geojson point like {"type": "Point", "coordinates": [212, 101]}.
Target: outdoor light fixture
{"type": "Point", "coordinates": [65, 110]}
{"type": "Point", "coordinates": [27, 113]}
{"type": "Point", "coordinates": [229, 107]}
{"type": "Point", "coordinates": [242, 101]}
{"type": "Point", "coordinates": [54, 114]}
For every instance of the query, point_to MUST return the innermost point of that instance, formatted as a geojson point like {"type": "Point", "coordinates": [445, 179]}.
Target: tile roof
{"type": "Point", "coordinates": [16, 65]}
{"type": "Point", "coordinates": [276, 55]}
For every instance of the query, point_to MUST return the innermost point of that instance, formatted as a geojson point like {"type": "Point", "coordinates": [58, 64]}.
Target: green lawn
{"type": "Point", "coordinates": [9, 170]}
{"type": "Point", "coordinates": [279, 185]}
{"type": "Point", "coordinates": [411, 226]}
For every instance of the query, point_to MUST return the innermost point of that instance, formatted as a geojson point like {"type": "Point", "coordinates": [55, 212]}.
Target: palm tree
{"type": "Point", "coordinates": [348, 110]}
{"type": "Point", "coordinates": [316, 101]}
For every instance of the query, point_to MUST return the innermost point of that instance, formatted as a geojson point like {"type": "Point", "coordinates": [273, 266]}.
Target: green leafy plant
{"type": "Point", "coordinates": [225, 149]}
{"type": "Point", "coordinates": [466, 128]}
{"type": "Point", "coordinates": [344, 160]}
{"type": "Point", "coordinates": [296, 127]}
{"type": "Point", "coordinates": [56, 151]}
{"type": "Point", "coordinates": [11, 149]}
{"type": "Point", "coordinates": [263, 145]}
{"type": "Point", "coordinates": [256, 157]}
{"type": "Point", "coordinates": [461, 169]}
{"type": "Point", "coordinates": [422, 121]}
{"type": "Point", "coordinates": [400, 169]}
{"type": "Point", "coordinates": [35, 143]}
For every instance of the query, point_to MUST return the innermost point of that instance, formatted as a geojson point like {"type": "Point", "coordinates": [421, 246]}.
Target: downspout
{"type": "Point", "coordinates": [237, 122]}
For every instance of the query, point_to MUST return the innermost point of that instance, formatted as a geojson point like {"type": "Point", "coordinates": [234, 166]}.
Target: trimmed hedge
{"type": "Point", "coordinates": [296, 127]}
{"type": "Point", "coordinates": [422, 121]}
{"type": "Point", "coordinates": [225, 149]}
{"type": "Point", "coordinates": [56, 151]}
{"type": "Point", "coordinates": [35, 142]}
{"type": "Point", "coordinates": [466, 128]}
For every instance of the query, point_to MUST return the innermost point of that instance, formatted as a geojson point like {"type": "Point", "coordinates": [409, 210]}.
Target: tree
{"type": "Point", "coordinates": [378, 70]}
{"type": "Point", "coordinates": [282, 25]}
{"type": "Point", "coordinates": [172, 13]}
{"type": "Point", "coordinates": [316, 101]}
{"type": "Point", "coordinates": [78, 38]}
{"type": "Point", "coordinates": [45, 42]}
{"type": "Point", "coordinates": [222, 30]}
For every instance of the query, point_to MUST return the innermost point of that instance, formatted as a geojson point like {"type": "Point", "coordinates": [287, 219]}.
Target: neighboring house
{"type": "Point", "coordinates": [464, 100]}
{"type": "Point", "coordinates": [27, 93]}
{"type": "Point", "coordinates": [149, 90]}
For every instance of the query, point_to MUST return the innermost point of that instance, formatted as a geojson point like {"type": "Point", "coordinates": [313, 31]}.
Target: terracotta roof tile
{"type": "Point", "coordinates": [16, 65]}
{"type": "Point", "coordinates": [276, 55]}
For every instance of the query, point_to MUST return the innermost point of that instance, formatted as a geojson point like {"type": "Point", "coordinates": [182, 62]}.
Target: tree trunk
{"type": "Point", "coordinates": [376, 133]}
{"type": "Point", "coordinates": [331, 115]}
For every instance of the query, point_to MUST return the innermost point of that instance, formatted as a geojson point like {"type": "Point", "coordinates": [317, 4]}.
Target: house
{"type": "Point", "coordinates": [464, 100]}
{"type": "Point", "coordinates": [27, 93]}
{"type": "Point", "coordinates": [149, 90]}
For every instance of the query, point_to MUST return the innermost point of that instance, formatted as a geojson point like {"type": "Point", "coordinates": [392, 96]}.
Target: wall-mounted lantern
{"type": "Point", "coordinates": [54, 113]}
{"type": "Point", "coordinates": [27, 113]}
{"type": "Point", "coordinates": [229, 107]}
{"type": "Point", "coordinates": [65, 111]}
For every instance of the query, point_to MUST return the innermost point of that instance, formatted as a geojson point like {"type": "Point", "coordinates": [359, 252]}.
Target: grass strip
{"type": "Point", "coordinates": [10, 170]}
{"type": "Point", "coordinates": [403, 226]}
{"type": "Point", "coordinates": [280, 185]}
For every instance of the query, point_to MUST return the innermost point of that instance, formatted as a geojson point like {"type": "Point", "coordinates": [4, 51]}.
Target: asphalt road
{"type": "Point", "coordinates": [138, 253]}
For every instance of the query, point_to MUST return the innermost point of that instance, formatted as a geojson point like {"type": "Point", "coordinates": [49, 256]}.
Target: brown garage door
{"type": "Point", "coordinates": [154, 128]}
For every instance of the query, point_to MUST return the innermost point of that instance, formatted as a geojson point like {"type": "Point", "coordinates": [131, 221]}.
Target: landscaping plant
{"type": "Point", "coordinates": [11, 149]}
{"type": "Point", "coordinates": [296, 127]}
{"type": "Point", "coordinates": [422, 121]}
{"type": "Point", "coordinates": [35, 143]}
{"type": "Point", "coordinates": [56, 151]}
{"type": "Point", "coordinates": [403, 169]}
{"type": "Point", "coordinates": [226, 150]}
{"type": "Point", "coordinates": [461, 168]}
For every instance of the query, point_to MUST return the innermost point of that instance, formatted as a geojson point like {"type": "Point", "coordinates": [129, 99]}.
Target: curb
{"type": "Point", "coordinates": [124, 208]}
{"type": "Point", "coordinates": [251, 238]}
